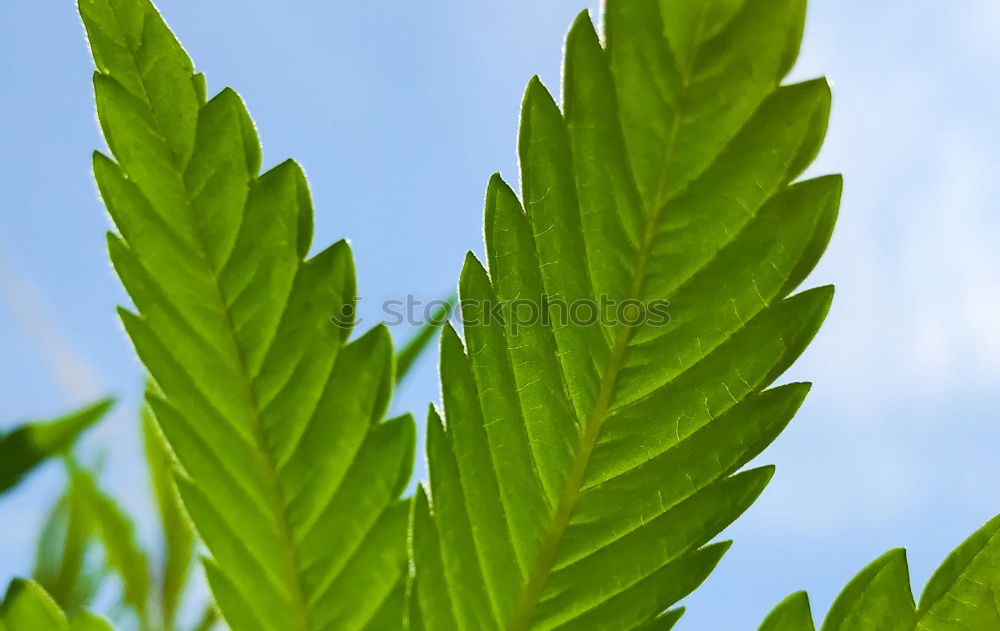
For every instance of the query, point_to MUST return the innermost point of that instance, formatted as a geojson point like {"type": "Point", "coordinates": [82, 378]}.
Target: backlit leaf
{"type": "Point", "coordinates": [583, 464]}
{"type": "Point", "coordinates": [275, 418]}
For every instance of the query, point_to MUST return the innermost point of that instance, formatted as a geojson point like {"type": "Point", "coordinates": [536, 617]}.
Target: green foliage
{"type": "Point", "coordinates": [580, 471]}
{"type": "Point", "coordinates": [178, 534]}
{"type": "Point", "coordinates": [117, 534]}
{"type": "Point", "coordinates": [83, 518]}
{"type": "Point", "coordinates": [792, 614]}
{"type": "Point", "coordinates": [27, 607]}
{"type": "Point", "coordinates": [28, 445]}
{"type": "Point", "coordinates": [88, 534]}
{"type": "Point", "coordinates": [272, 415]}
{"type": "Point", "coordinates": [421, 341]}
{"type": "Point", "coordinates": [65, 563]}
{"type": "Point", "coordinates": [962, 595]}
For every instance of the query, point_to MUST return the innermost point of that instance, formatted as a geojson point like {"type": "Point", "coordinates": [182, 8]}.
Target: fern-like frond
{"type": "Point", "coordinates": [962, 595]}
{"type": "Point", "coordinates": [289, 475]}
{"type": "Point", "coordinates": [27, 607]}
{"type": "Point", "coordinates": [580, 471]}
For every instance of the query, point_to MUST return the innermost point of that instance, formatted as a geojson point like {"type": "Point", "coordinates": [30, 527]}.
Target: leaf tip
{"type": "Point", "coordinates": [718, 549]}
{"type": "Point", "coordinates": [895, 555]}
{"type": "Point", "coordinates": [102, 406]}
{"type": "Point", "coordinates": [821, 297]}
{"type": "Point", "coordinates": [581, 23]}
{"type": "Point", "coordinates": [765, 474]}
{"type": "Point", "coordinates": [536, 95]}
{"type": "Point", "coordinates": [472, 271]}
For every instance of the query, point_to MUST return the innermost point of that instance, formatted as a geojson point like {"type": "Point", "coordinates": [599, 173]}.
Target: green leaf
{"type": "Point", "coordinates": [53, 540]}
{"type": "Point", "coordinates": [28, 445]}
{"type": "Point", "coordinates": [178, 534]}
{"type": "Point", "coordinates": [964, 592]}
{"type": "Point", "coordinates": [791, 614]}
{"type": "Point", "coordinates": [89, 622]}
{"type": "Point", "coordinates": [878, 598]}
{"type": "Point", "coordinates": [582, 469]}
{"type": "Point", "coordinates": [63, 566]}
{"type": "Point", "coordinates": [121, 547]}
{"type": "Point", "coordinates": [287, 473]}
{"type": "Point", "coordinates": [962, 595]}
{"type": "Point", "coordinates": [208, 619]}
{"type": "Point", "coordinates": [422, 338]}
{"type": "Point", "coordinates": [665, 621]}
{"type": "Point", "coordinates": [27, 607]}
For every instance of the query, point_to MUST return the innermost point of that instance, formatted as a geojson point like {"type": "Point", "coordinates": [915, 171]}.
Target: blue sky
{"type": "Point", "coordinates": [399, 112]}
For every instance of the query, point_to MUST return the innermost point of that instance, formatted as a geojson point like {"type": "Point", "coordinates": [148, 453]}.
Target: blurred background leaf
{"type": "Point", "coordinates": [30, 444]}
{"type": "Point", "coordinates": [28, 607]}
{"type": "Point", "coordinates": [422, 339]}
{"type": "Point", "coordinates": [64, 560]}
{"type": "Point", "coordinates": [178, 534]}
{"type": "Point", "coordinates": [122, 550]}
{"type": "Point", "coordinates": [88, 536]}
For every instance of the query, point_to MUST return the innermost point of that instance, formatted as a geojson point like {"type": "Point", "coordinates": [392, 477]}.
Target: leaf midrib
{"type": "Point", "coordinates": [532, 593]}
{"type": "Point", "coordinates": [268, 472]}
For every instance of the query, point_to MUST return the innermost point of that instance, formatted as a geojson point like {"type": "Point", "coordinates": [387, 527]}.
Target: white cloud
{"type": "Point", "coordinates": [915, 327]}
